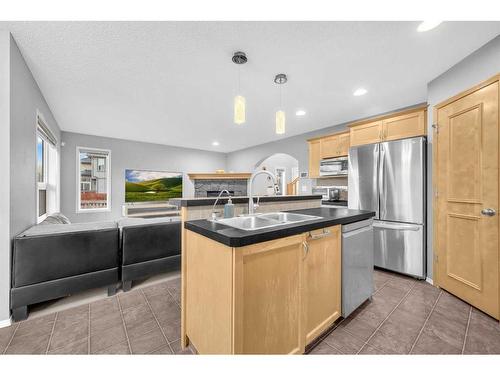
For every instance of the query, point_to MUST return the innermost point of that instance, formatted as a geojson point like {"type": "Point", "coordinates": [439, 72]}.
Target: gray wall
{"type": "Point", "coordinates": [4, 187]}
{"type": "Point", "coordinates": [25, 99]}
{"type": "Point", "coordinates": [478, 66]}
{"type": "Point", "coordinates": [129, 155]}
{"type": "Point", "coordinates": [20, 98]}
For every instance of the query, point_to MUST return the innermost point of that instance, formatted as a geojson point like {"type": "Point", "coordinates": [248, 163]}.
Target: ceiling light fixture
{"type": "Point", "coordinates": [239, 58]}
{"type": "Point", "coordinates": [360, 91]}
{"type": "Point", "coordinates": [300, 112]}
{"type": "Point", "coordinates": [280, 79]}
{"type": "Point", "coordinates": [428, 25]}
{"type": "Point", "coordinates": [215, 143]}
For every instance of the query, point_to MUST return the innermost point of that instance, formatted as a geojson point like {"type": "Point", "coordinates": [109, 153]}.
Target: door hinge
{"type": "Point", "coordinates": [436, 257]}
{"type": "Point", "coordinates": [436, 126]}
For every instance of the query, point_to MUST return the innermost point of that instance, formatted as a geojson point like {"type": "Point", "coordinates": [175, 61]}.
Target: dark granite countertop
{"type": "Point", "coordinates": [189, 202]}
{"type": "Point", "coordinates": [236, 237]}
{"type": "Point", "coordinates": [334, 203]}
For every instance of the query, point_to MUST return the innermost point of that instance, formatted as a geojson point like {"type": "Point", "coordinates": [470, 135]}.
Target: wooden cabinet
{"type": "Point", "coordinates": [273, 297]}
{"type": "Point", "coordinates": [314, 158]}
{"type": "Point", "coordinates": [329, 147]}
{"type": "Point", "coordinates": [322, 269]}
{"type": "Point", "coordinates": [366, 133]}
{"type": "Point", "coordinates": [405, 125]}
{"type": "Point", "coordinates": [344, 144]}
{"type": "Point", "coordinates": [268, 297]}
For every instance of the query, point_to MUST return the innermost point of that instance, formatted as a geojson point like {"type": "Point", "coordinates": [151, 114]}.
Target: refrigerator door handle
{"type": "Point", "coordinates": [381, 192]}
{"type": "Point", "coordinates": [410, 227]}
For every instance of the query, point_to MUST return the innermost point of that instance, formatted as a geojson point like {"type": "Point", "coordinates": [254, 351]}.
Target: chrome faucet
{"type": "Point", "coordinates": [251, 205]}
{"type": "Point", "coordinates": [214, 214]}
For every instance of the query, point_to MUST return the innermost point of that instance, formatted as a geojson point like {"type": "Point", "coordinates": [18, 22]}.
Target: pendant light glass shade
{"type": "Point", "coordinates": [280, 122]}
{"type": "Point", "coordinates": [239, 109]}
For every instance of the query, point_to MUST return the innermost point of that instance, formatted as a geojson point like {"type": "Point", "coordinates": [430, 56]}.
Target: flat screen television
{"type": "Point", "coordinates": [147, 186]}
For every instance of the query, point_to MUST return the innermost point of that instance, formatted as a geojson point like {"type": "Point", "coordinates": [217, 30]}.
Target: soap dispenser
{"type": "Point", "coordinates": [229, 209]}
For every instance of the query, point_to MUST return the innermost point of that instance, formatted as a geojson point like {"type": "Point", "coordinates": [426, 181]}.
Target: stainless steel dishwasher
{"type": "Point", "coordinates": [357, 265]}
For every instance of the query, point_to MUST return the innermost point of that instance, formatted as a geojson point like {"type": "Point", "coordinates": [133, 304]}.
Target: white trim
{"type": "Point", "coordinates": [41, 185]}
{"type": "Point", "coordinates": [79, 210]}
{"type": "Point", "coordinates": [429, 280]}
{"type": "Point", "coordinates": [5, 323]}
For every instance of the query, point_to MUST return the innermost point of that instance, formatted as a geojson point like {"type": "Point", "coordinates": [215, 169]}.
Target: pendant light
{"type": "Point", "coordinates": [239, 58]}
{"type": "Point", "coordinates": [280, 79]}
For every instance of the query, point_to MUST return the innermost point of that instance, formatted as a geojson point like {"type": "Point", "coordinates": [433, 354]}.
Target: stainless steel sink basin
{"type": "Point", "coordinates": [269, 220]}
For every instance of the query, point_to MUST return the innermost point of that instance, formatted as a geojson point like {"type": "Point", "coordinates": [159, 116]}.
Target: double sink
{"type": "Point", "coordinates": [268, 220]}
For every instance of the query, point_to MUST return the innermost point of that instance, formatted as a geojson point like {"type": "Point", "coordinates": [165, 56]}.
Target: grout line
{"type": "Point", "coordinates": [425, 322]}
{"type": "Point", "coordinates": [467, 329]}
{"type": "Point", "coordinates": [387, 317]}
{"type": "Point", "coordinates": [11, 338]}
{"type": "Point", "coordinates": [124, 325]}
{"type": "Point", "coordinates": [333, 347]}
{"type": "Point", "coordinates": [157, 322]}
{"type": "Point", "coordinates": [88, 331]}
{"type": "Point", "coordinates": [51, 333]}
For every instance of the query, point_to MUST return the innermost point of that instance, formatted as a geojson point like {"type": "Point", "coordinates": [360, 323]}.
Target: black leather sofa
{"type": "Point", "coordinates": [52, 261]}
{"type": "Point", "coordinates": [149, 247]}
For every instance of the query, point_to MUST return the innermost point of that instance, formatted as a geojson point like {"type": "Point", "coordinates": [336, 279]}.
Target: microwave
{"type": "Point", "coordinates": [334, 167]}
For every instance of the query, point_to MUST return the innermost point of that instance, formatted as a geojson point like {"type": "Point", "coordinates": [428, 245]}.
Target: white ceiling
{"type": "Point", "coordinates": [173, 82]}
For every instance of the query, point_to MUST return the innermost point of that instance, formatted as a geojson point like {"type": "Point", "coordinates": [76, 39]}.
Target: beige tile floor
{"type": "Point", "coordinates": [405, 316]}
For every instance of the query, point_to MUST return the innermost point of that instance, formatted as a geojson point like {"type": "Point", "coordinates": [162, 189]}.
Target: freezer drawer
{"type": "Point", "coordinates": [400, 247]}
{"type": "Point", "coordinates": [357, 265]}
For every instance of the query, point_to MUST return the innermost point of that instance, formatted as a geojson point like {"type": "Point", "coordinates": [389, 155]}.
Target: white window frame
{"type": "Point", "coordinates": [41, 185]}
{"type": "Point", "coordinates": [80, 210]}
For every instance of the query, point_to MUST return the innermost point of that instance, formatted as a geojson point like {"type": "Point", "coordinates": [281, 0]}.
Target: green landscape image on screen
{"type": "Point", "coordinates": [146, 186]}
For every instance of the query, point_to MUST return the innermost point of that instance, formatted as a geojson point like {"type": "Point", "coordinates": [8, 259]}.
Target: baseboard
{"type": "Point", "coordinates": [5, 323]}
{"type": "Point", "coordinates": [429, 280]}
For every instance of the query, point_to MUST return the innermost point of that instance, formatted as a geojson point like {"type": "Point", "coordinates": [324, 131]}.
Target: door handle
{"type": "Point", "coordinates": [305, 245]}
{"type": "Point", "coordinates": [488, 212]}
{"type": "Point", "coordinates": [326, 233]}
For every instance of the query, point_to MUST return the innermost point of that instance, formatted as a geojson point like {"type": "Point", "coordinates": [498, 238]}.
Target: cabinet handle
{"type": "Point", "coordinates": [326, 233]}
{"type": "Point", "coordinates": [306, 248]}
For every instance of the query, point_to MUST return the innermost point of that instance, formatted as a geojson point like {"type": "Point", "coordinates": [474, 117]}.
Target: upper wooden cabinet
{"type": "Point", "coordinates": [405, 126]}
{"type": "Point", "coordinates": [329, 146]}
{"type": "Point", "coordinates": [366, 133]}
{"type": "Point", "coordinates": [344, 143]}
{"type": "Point", "coordinates": [389, 128]}
{"type": "Point", "coordinates": [314, 158]}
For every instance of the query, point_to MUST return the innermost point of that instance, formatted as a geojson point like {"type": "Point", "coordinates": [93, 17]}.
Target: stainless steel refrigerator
{"type": "Point", "coordinates": [389, 178]}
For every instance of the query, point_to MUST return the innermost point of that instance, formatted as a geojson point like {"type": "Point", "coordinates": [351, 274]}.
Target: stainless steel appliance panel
{"type": "Point", "coordinates": [357, 265]}
{"type": "Point", "coordinates": [363, 178]}
{"type": "Point", "coordinates": [333, 166]}
{"type": "Point", "coordinates": [400, 247]}
{"type": "Point", "coordinates": [402, 180]}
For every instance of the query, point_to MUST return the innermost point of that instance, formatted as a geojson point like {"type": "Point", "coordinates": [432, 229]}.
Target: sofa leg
{"type": "Point", "coordinates": [111, 290]}
{"type": "Point", "coordinates": [20, 313]}
{"type": "Point", "coordinates": [127, 285]}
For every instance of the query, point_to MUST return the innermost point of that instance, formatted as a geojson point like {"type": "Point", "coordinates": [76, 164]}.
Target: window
{"type": "Point", "coordinates": [94, 179]}
{"type": "Point", "coordinates": [46, 170]}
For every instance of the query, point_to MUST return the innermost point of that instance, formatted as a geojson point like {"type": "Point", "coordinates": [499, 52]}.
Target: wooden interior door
{"type": "Point", "coordinates": [322, 275]}
{"type": "Point", "coordinates": [467, 186]}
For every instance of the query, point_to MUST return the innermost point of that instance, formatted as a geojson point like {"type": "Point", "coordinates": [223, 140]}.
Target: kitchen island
{"type": "Point", "coordinates": [272, 290]}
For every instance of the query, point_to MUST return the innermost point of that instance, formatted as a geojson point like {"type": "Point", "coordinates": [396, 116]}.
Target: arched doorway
{"type": "Point", "coordinates": [283, 166]}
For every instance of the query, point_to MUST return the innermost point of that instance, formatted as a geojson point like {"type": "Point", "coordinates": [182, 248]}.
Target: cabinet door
{"type": "Point", "coordinates": [314, 158]}
{"type": "Point", "coordinates": [344, 142]}
{"type": "Point", "coordinates": [322, 281]}
{"type": "Point", "coordinates": [329, 147]}
{"type": "Point", "coordinates": [366, 133]}
{"type": "Point", "coordinates": [404, 126]}
{"type": "Point", "coordinates": [268, 297]}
